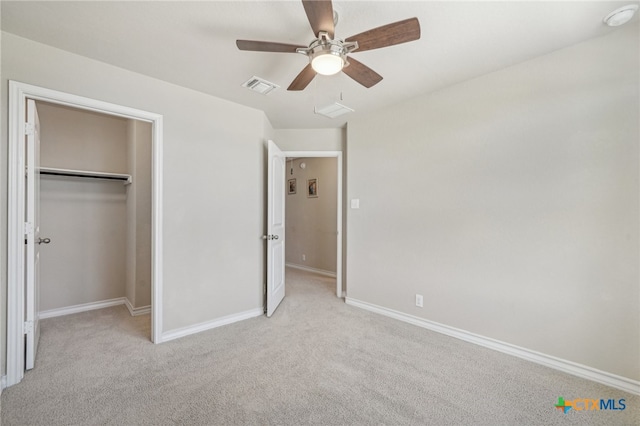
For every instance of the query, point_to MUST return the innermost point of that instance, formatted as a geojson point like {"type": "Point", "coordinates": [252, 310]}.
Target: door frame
{"type": "Point", "coordinates": [338, 156]}
{"type": "Point", "coordinates": [18, 94]}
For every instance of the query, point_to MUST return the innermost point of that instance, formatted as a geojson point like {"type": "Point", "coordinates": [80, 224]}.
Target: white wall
{"type": "Point", "coordinates": [311, 223]}
{"type": "Point", "coordinates": [511, 203]}
{"type": "Point", "coordinates": [85, 218]}
{"type": "Point", "coordinates": [212, 249]}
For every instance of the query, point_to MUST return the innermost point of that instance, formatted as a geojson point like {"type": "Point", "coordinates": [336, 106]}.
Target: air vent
{"type": "Point", "coordinates": [260, 85]}
{"type": "Point", "coordinates": [333, 110]}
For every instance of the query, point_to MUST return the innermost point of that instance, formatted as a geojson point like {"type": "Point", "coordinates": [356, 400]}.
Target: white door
{"type": "Point", "coordinates": [275, 228]}
{"type": "Point", "coordinates": [32, 234]}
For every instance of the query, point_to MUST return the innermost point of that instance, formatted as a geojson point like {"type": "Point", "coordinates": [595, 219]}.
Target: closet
{"type": "Point", "coordinates": [95, 207]}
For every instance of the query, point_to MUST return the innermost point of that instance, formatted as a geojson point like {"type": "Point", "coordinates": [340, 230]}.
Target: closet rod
{"type": "Point", "coordinates": [126, 179]}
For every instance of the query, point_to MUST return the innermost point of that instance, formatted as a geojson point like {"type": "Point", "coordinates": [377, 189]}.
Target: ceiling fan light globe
{"type": "Point", "coordinates": [327, 63]}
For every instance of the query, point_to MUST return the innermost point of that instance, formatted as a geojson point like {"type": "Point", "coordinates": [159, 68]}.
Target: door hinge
{"type": "Point", "coordinates": [28, 327]}
{"type": "Point", "coordinates": [28, 228]}
{"type": "Point", "coordinates": [29, 129]}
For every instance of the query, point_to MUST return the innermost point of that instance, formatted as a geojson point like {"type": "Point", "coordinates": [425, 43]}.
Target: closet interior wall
{"type": "Point", "coordinates": [138, 281]}
{"type": "Point", "coordinates": [98, 249]}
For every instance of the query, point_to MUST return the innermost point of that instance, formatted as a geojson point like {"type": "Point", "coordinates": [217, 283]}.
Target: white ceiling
{"type": "Point", "coordinates": [192, 44]}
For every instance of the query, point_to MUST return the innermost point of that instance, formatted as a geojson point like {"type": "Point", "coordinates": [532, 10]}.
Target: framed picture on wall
{"type": "Point", "coordinates": [312, 188]}
{"type": "Point", "coordinates": [292, 186]}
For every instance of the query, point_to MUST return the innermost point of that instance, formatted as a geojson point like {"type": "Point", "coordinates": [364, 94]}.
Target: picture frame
{"type": "Point", "coordinates": [291, 185]}
{"type": "Point", "coordinates": [312, 188]}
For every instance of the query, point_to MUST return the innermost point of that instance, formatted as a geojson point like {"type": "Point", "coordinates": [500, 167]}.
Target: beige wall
{"type": "Point", "coordinates": [82, 140]}
{"type": "Point", "coordinates": [311, 223]}
{"type": "Point", "coordinates": [85, 262]}
{"type": "Point", "coordinates": [206, 140]}
{"type": "Point", "coordinates": [85, 218]}
{"type": "Point", "coordinates": [96, 227]}
{"type": "Point", "coordinates": [310, 139]}
{"type": "Point", "coordinates": [511, 203]}
{"type": "Point", "coordinates": [138, 254]}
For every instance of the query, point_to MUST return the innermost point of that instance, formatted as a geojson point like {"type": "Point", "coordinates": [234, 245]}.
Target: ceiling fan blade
{"type": "Point", "coordinates": [266, 46]}
{"type": "Point", "coordinates": [303, 79]}
{"type": "Point", "coordinates": [320, 15]}
{"type": "Point", "coordinates": [388, 35]}
{"type": "Point", "coordinates": [362, 73]}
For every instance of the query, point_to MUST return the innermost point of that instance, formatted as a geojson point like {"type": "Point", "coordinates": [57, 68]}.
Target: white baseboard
{"type": "Point", "coordinates": [197, 328]}
{"type": "Point", "coordinates": [142, 310]}
{"type": "Point", "coordinates": [68, 310]}
{"type": "Point", "coordinates": [82, 308]}
{"type": "Point", "coordinates": [314, 270]}
{"type": "Point", "coordinates": [570, 367]}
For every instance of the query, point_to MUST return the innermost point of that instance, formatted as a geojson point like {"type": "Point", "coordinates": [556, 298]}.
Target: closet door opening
{"type": "Point", "coordinates": [95, 203]}
{"type": "Point", "coordinates": [114, 200]}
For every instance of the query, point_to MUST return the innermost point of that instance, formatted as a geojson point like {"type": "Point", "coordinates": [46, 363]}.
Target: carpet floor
{"type": "Point", "coordinates": [317, 361]}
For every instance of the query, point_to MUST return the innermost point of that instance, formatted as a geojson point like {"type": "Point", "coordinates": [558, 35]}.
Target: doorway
{"type": "Point", "coordinates": [310, 187]}
{"type": "Point", "coordinates": [17, 303]}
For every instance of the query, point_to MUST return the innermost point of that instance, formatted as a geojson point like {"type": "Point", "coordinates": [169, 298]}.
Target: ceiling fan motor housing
{"type": "Point", "coordinates": [328, 56]}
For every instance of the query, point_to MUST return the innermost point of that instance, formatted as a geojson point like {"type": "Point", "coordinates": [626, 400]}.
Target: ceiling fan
{"type": "Point", "coordinates": [329, 56]}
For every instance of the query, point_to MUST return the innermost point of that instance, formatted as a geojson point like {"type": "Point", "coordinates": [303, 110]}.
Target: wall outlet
{"type": "Point", "coordinates": [419, 301]}
{"type": "Point", "coordinates": [304, 257]}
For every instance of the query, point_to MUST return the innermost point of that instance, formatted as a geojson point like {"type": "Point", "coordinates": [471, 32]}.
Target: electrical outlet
{"type": "Point", "coordinates": [304, 257]}
{"type": "Point", "coordinates": [419, 300]}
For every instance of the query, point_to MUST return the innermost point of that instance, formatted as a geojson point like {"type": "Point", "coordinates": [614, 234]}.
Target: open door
{"type": "Point", "coordinates": [32, 234]}
{"type": "Point", "coordinates": [275, 228]}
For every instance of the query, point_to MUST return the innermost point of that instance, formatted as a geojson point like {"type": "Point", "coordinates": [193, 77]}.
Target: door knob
{"type": "Point", "coordinates": [44, 240]}
{"type": "Point", "coordinates": [269, 237]}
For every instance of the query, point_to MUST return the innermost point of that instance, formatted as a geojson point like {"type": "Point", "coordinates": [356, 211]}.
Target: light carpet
{"type": "Point", "coordinates": [316, 361]}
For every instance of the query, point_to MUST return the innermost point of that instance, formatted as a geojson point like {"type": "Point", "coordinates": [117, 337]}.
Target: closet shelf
{"type": "Point", "coordinates": [126, 179]}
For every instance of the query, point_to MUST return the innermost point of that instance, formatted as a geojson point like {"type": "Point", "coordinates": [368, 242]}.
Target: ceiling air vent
{"type": "Point", "coordinates": [260, 85]}
{"type": "Point", "coordinates": [333, 110]}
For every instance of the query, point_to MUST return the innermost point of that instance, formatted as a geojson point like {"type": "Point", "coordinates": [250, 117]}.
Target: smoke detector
{"type": "Point", "coordinates": [621, 15]}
